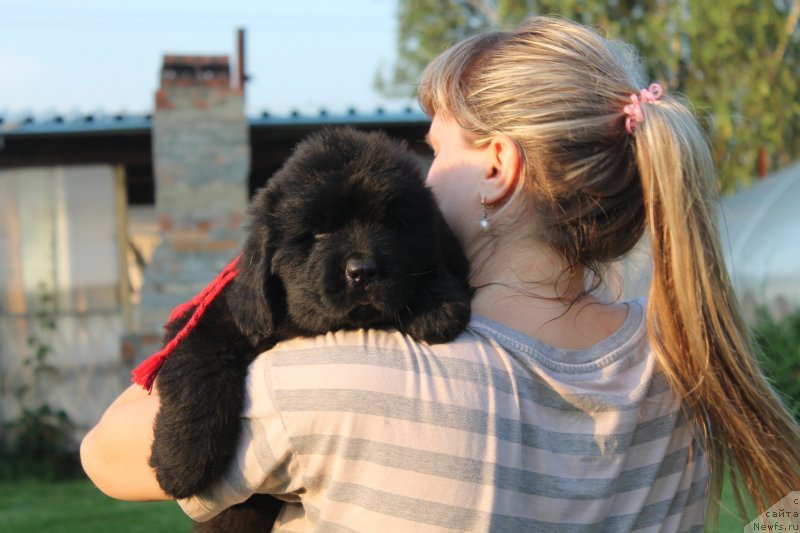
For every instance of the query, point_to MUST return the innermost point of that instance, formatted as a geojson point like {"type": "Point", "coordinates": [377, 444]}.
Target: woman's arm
{"type": "Point", "coordinates": [115, 453]}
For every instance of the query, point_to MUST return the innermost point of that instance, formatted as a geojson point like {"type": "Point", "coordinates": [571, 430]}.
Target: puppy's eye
{"type": "Point", "coordinates": [320, 236]}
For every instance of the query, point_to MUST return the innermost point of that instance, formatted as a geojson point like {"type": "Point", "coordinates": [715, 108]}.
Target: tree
{"type": "Point", "coordinates": [738, 61]}
{"type": "Point", "coordinates": [426, 27]}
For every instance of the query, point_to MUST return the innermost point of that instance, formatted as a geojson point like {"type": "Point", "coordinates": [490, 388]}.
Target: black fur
{"type": "Point", "coordinates": [344, 236]}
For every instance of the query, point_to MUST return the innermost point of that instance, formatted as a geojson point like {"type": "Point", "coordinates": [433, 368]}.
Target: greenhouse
{"type": "Point", "coordinates": [760, 229]}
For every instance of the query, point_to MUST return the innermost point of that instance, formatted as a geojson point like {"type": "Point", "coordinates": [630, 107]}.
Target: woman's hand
{"type": "Point", "coordinates": [115, 453]}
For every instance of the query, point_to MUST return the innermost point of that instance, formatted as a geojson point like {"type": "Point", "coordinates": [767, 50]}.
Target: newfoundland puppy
{"type": "Point", "coordinates": [344, 236]}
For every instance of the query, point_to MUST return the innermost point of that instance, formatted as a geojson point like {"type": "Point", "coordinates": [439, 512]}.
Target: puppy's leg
{"type": "Point", "coordinates": [258, 513]}
{"type": "Point", "coordinates": [197, 427]}
{"type": "Point", "coordinates": [201, 387]}
{"type": "Point", "coordinates": [440, 309]}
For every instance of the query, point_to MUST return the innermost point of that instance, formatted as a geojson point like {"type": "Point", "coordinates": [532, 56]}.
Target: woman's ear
{"type": "Point", "coordinates": [503, 167]}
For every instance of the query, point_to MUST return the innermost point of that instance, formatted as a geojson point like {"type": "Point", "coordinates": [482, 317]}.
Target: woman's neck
{"type": "Point", "coordinates": [525, 263]}
{"type": "Point", "coordinates": [525, 285]}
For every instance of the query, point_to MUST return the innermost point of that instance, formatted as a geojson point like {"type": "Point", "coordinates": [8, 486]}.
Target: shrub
{"type": "Point", "coordinates": [39, 446]}
{"type": "Point", "coordinates": [38, 442]}
{"type": "Point", "coordinates": [779, 342]}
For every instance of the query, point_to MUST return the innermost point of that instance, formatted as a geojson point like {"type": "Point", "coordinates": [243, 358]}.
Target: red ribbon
{"type": "Point", "coordinates": [145, 373]}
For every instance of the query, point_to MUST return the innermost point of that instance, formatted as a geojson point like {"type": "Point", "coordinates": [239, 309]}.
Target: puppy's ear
{"type": "Point", "coordinates": [255, 300]}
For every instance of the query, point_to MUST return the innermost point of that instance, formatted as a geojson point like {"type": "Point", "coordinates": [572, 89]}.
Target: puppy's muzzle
{"type": "Point", "coordinates": [359, 271]}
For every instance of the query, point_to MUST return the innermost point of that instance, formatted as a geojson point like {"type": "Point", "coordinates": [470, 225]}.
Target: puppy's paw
{"type": "Point", "coordinates": [177, 469]}
{"type": "Point", "coordinates": [193, 444]}
{"type": "Point", "coordinates": [442, 314]}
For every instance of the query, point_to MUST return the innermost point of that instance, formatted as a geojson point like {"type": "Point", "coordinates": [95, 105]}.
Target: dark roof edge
{"type": "Point", "coordinates": [322, 119]}
{"type": "Point", "coordinates": [88, 124]}
{"type": "Point", "coordinates": [125, 124]}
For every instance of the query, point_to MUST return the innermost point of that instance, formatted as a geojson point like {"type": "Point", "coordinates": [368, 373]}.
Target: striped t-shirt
{"type": "Point", "coordinates": [496, 431]}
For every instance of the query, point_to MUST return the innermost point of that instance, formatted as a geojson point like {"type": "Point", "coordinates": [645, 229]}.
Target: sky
{"type": "Point", "coordinates": [90, 56]}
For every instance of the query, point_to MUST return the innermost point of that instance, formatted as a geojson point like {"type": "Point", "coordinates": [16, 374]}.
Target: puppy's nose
{"type": "Point", "coordinates": [360, 270]}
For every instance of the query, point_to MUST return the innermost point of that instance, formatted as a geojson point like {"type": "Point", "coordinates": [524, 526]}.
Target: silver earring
{"type": "Point", "coordinates": [484, 216]}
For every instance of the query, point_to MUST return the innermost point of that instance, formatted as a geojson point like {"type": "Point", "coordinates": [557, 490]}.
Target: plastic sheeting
{"type": "Point", "coordinates": [760, 233]}
{"type": "Point", "coordinates": [760, 229]}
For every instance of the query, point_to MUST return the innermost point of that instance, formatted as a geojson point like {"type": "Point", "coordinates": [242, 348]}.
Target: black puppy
{"type": "Point", "coordinates": [344, 236]}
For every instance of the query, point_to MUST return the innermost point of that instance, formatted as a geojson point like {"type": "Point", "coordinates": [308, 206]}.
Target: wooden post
{"type": "Point", "coordinates": [240, 59]}
{"type": "Point", "coordinates": [121, 200]}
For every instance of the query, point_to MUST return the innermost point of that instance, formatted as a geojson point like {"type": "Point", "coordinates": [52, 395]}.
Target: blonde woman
{"type": "Point", "coordinates": [554, 411]}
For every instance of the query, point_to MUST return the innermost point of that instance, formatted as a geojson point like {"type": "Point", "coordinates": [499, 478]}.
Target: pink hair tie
{"type": "Point", "coordinates": [634, 110]}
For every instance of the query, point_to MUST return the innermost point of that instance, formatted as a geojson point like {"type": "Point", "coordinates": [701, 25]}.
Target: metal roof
{"type": "Point", "coordinates": [76, 123]}
{"type": "Point", "coordinates": [26, 124]}
{"type": "Point", "coordinates": [351, 115]}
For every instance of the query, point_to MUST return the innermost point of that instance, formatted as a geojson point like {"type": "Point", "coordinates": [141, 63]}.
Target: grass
{"type": "Point", "coordinates": [728, 512]}
{"type": "Point", "coordinates": [78, 507]}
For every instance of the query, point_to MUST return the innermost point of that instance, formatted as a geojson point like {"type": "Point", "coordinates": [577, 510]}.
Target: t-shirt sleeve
{"type": "Point", "coordinates": [264, 461]}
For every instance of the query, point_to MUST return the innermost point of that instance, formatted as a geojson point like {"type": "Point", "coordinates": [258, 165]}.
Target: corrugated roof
{"type": "Point", "coordinates": [352, 115]}
{"type": "Point", "coordinates": [29, 124]}
{"type": "Point", "coordinates": [26, 124]}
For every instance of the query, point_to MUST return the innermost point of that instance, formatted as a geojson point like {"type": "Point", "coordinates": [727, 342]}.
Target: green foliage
{"type": "Point", "coordinates": [779, 341]}
{"type": "Point", "coordinates": [39, 447]}
{"type": "Point", "coordinates": [738, 61]}
{"type": "Point", "coordinates": [37, 443]}
{"type": "Point", "coordinates": [426, 28]}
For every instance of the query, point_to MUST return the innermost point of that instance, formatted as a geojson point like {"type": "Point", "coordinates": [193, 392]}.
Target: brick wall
{"type": "Point", "coordinates": [201, 156]}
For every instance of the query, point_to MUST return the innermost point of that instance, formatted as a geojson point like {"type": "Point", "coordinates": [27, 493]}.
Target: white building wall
{"type": "Point", "coordinates": [60, 234]}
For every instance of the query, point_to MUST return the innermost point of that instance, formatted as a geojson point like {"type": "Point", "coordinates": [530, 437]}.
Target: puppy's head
{"type": "Point", "coordinates": [341, 234]}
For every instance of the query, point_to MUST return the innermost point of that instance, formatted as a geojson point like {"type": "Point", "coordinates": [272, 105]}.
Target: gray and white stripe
{"type": "Point", "coordinates": [369, 431]}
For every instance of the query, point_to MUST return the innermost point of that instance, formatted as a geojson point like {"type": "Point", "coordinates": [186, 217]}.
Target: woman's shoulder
{"type": "Point", "coordinates": [363, 346]}
{"type": "Point", "coordinates": [332, 343]}
{"type": "Point", "coordinates": [627, 344]}
{"type": "Point", "coordinates": [367, 372]}
{"type": "Point", "coordinates": [482, 342]}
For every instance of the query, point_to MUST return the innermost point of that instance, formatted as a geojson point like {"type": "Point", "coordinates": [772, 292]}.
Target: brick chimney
{"type": "Point", "coordinates": [201, 156]}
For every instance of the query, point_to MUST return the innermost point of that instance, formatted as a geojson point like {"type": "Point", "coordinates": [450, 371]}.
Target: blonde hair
{"type": "Point", "coordinates": [558, 89]}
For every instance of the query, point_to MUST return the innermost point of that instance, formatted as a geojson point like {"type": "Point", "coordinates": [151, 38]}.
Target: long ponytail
{"type": "Point", "coordinates": [694, 323]}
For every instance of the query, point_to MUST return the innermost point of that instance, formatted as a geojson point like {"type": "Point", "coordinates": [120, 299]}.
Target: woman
{"type": "Point", "coordinates": [554, 410]}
